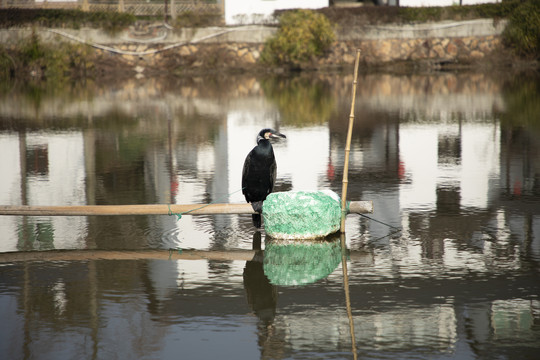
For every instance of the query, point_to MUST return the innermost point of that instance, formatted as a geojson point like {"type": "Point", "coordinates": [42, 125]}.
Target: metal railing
{"type": "Point", "coordinates": [139, 8]}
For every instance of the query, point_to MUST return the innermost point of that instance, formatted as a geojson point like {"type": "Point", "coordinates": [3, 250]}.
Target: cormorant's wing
{"type": "Point", "coordinates": [245, 172]}
{"type": "Point", "coordinates": [273, 174]}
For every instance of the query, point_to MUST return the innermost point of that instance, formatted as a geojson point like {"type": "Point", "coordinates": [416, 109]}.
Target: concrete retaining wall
{"type": "Point", "coordinates": [442, 42]}
{"type": "Point", "coordinates": [443, 29]}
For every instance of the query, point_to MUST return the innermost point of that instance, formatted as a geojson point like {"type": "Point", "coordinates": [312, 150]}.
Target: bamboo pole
{"type": "Point", "coordinates": [358, 207]}
{"type": "Point", "coordinates": [348, 295]}
{"type": "Point", "coordinates": [83, 255]}
{"type": "Point", "coordinates": [147, 209]}
{"type": "Point", "coordinates": [348, 146]}
{"type": "Point", "coordinates": [171, 254]}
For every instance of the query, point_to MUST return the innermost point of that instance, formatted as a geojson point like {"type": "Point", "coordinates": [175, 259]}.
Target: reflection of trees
{"type": "Point", "coordinates": [37, 91]}
{"type": "Point", "coordinates": [119, 161]}
{"type": "Point", "coordinates": [118, 167]}
{"type": "Point", "coordinates": [302, 101]}
{"type": "Point", "coordinates": [522, 98]}
{"type": "Point", "coordinates": [520, 127]}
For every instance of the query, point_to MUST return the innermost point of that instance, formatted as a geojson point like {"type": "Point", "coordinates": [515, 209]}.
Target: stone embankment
{"type": "Point", "coordinates": [155, 47]}
{"type": "Point", "coordinates": [432, 50]}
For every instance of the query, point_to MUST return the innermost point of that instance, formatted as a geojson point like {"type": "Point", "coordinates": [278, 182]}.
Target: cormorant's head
{"type": "Point", "coordinates": [268, 134]}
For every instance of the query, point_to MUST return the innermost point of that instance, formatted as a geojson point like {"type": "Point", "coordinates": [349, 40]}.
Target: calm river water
{"type": "Point", "coordinates": [447, 266]}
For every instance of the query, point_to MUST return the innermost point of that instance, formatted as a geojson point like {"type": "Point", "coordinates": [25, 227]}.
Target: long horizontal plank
{"type": "Point", "coordinates": [358, 207]}
{"type": "Point", "coordinates": [149, 209]}
{"type": "Point", "coordinates": [172, 254]}
{"type": "Point", "coordinates": [81, 255]}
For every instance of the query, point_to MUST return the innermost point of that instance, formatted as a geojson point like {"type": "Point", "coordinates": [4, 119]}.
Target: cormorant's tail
{"type": "Point", "coordinates": [257, 206]}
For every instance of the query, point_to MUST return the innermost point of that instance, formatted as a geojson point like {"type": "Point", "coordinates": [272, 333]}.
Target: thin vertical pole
{"type": "Point", "coordinates": [348, 295]}
{"type": "Point", "coordinates": [165, 11]}
{"type": "Point", "coordinates": [173, 11]}
{"type": "Point", "coordinates": [348, 147]}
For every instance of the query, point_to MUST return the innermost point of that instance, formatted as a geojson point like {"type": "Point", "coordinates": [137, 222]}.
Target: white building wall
{"type": "Point", "coordinates": [241, 12]}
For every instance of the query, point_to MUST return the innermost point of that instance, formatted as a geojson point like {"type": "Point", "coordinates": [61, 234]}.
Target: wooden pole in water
{"type": "Point", "coordinates": [348, 147]}
{"type": "Point", "coordinates": [358, 207]}
{"type": "Point", "coordinates": [148, 209]}
{"type": "Point", "coordinates": [170, 254]}
{"type": "Point", "coordinates": [348, 294]}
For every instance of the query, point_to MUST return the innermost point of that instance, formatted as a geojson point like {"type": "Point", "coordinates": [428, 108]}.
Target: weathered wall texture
{"type": "Point", "coordinates": [435, 50]}
{"type": "Point", "coordinates": [155, 45]}
{"type": "Point", "coordinates": [373, 52]}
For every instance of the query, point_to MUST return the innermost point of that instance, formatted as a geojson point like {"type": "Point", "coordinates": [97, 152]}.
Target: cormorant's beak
{"type": "Point", "coordinates": [277, 135]}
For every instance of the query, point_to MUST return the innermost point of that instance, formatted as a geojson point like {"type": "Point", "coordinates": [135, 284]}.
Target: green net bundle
{"type": "Point", "coordinates": [302, 214]}
{"type": "Point", "coordinates": [300, 262]}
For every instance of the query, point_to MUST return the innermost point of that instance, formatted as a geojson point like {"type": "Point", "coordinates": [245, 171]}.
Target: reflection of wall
{"type": "Point", "coordinates": [43, 169]}
{"type": "Point", "coordinates": [171, 181]}
{"type": "Point", "coordinates": [468, 171]}
{"type": "Point", "coordinates": [512, 319]}
{"type": "Point", "coordinates": [427, 327]}
{"type": "Point", "coordinates": [10, 183]}
{"type": "Point", "coordinates": [520, 179]}
{"type": "Point", "coordinates": [449, 169]}
{"type": "Point", "coordinates": [431, 97]}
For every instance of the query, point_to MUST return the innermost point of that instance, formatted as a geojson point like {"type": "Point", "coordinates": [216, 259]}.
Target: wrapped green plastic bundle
{"type": "Point", "coordinates": [301, 214]}
{"type": "Point", "coordinates": [300, 262]}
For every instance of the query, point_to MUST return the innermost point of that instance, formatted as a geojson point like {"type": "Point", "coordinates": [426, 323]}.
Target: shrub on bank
{"type": "Point", "coordinates": [38, 60]}
{"type": "Point", "coordinates": [301, 36]}
{"type": "Point", "coordinates": [7, 64]}
{"type": "Point", "coordinates": [522, 105]}
{"type": "Point", "coordinates": [523, 30]}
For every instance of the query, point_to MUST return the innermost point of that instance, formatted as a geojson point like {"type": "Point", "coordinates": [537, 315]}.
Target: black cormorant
{"type": "Point", "coordinates": [259, 173]}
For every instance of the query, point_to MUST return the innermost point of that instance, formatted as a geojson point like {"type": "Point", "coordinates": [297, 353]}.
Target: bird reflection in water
{"type": "Point", "coordinates": [284, 263]}
{"type": "Point", "coordinates": [262, 299]}
{"type": "Point", "coordinates": [261, 295]}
